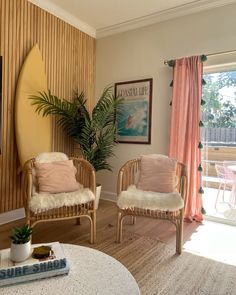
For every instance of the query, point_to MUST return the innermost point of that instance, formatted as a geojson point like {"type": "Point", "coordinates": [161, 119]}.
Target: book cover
{"type": "Point", "coordinates": [31, 266]}
{"type": "Point", "coordinates": [35, 276]}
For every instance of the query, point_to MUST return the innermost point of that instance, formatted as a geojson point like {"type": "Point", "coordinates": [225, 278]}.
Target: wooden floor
{"type": "Point", "coordinates": [68, 231]}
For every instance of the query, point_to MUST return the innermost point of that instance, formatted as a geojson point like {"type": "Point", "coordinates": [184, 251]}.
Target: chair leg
{"type": "Point", "coordinates": [218, 193]}
{"type": "Point", "coordinates": [27, 216]}
{"type": "Point", "coordinates": [93, 227]}
{"type": "Point", "coordinates": [232, 201]}
{"type": "Point", "coordinates": [223, 195]}
{"type": "Point", "coordinates": [178, 246]}
{"type": "Point", "coordinates": [133, 219]}
{"type": "Point", "coordinates": [119, 228]}
{"type": "Point", "coordinates": [177, 237]}
{"type": "Point", "coordinates": [179, 234]}
{"type": "Point", "coordinates": [78, 221]}
{"type": "Point", "coordinates": [234, 196]}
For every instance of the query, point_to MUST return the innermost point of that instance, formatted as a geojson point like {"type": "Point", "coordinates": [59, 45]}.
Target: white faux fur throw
{"type": "Point", "coordinates": [43, 202]}
{"type": "Point", "coordinates": [134, 197]}
{"type": "Point", "coordinates": [51, 157]}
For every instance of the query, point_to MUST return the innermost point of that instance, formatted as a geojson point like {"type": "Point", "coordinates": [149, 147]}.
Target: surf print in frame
{"type": "Point", "coordinates": [134, 122]}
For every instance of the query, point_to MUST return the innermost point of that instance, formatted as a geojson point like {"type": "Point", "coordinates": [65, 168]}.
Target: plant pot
{"type": "Point", "coordinates": [20, 252]}
{"type": "Point", "coordinates": [97, 196]}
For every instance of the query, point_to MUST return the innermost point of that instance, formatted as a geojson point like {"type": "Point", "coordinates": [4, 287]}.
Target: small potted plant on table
{"type": "Point", "coordinates": [21, 243]}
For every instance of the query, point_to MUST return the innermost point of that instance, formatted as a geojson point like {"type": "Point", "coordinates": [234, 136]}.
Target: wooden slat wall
{"type": "Point", "coordinates": [69, 57]}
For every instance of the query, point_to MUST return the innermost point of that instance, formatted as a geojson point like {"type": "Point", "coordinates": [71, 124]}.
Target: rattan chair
{"type": "Point", "coordinates": [128, 176]}
{"type": "Point", "coordinates": [85, 175]}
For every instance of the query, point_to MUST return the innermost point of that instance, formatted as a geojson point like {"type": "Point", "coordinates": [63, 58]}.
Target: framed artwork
{"type": "Point", "coordinates": [134, 122]}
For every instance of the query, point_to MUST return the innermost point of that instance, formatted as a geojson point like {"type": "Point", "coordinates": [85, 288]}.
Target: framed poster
{"type": "Point", "coordinates": [134, 122]}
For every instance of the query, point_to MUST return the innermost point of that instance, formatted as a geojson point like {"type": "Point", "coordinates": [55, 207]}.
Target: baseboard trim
{"type": "Point", "coordinates": [109, 196]}
{"type": "Point", "coordinates": [12, 215]}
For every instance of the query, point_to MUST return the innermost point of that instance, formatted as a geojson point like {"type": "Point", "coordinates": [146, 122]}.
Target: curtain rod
{"type": "Point", "coordinates": [211, 54]}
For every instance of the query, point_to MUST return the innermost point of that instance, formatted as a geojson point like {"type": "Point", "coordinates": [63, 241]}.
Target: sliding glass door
{"type": "Point", "coordinates": [218, 135]}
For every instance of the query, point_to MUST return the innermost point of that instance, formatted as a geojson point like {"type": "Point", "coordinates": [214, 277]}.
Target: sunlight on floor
{"type": "Point", "coordinates": [215, 241]}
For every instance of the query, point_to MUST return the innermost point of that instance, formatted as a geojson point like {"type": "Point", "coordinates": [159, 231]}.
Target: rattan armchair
{"type": "Point", "coordinates": [85, 175]}
{"type": "Point", "coordinates": [128, 176]}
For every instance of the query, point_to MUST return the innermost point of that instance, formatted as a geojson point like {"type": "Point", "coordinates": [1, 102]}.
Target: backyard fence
{"type": "Point", "coordinates": [219, 135]}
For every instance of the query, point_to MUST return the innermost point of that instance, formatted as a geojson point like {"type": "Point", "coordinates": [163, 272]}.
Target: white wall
{"type": "Point", "coordinates": [140, 54]}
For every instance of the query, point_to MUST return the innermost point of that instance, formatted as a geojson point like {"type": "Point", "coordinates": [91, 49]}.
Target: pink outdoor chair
{"type": "Point", "coordinates": [230, 174]}
{"type": "Point", "coordinates": [227, 180]}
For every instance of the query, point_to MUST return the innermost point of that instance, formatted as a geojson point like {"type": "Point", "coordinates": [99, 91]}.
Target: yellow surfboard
{"type": "Point", "coordinates": [33, 133]}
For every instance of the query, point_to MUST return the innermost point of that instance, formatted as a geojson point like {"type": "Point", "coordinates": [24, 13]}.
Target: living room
{"type": "Point", "coordinates": [86, 47]}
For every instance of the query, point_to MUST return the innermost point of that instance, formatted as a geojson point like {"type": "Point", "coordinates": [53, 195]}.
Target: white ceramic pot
{"type": "Point", "coordinates": [98, 193]}
{"type": "Point", "coordinates": [20, 252]}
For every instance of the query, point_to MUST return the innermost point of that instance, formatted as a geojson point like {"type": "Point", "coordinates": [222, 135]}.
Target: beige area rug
{"type": "Point", "coordinates": [158, 271]}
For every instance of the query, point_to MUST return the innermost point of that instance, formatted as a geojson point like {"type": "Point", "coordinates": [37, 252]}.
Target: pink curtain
{"type": "Point", "coordinates": [185, 131]}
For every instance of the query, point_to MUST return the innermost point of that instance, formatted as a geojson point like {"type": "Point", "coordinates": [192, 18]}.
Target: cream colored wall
{"type": "Point", "coordinates": [140, 54]}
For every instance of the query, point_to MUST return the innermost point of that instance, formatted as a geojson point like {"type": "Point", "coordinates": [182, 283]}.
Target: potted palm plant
{"type": "Point", "coordinates": [21, 243]}
{"type": "Point", "coordinates": [95, 132]}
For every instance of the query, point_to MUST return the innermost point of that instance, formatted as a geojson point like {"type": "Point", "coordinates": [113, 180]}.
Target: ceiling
{"type": "Point", "coordinates": [100, 18]}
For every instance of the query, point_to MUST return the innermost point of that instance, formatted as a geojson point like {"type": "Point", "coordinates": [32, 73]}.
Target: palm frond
{"type": "Point", "coordinates": [96, 134]}
{"type": "Point", "coordinates": [106, 109]}
{"type": "Point", "coordinates": [80, 102]}
{"type": "Point", "coordinates": [48, 104]}
{"type": "Point", "coordinates": [69, 117]}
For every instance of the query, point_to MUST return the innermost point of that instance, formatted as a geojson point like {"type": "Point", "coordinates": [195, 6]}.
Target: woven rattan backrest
{"type": "Point", "coordinates": [128, 174]}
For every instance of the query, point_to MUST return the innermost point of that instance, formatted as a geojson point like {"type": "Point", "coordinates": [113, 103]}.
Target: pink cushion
{"type": "Point", "coordinates": [158, 174]}
{"type": "Point", "coordinates": [56, 177]}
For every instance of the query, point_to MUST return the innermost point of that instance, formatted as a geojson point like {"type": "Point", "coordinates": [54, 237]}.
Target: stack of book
{"type": "Point", "coordinates": [33, 268]}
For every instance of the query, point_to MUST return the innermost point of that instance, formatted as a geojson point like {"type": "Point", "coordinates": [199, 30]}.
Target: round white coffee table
{"type": "Point", "coordinates": [91, 272]}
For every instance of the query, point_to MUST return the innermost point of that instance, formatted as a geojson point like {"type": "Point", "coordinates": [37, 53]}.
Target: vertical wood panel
{"type": "Point", "coordinates": [69, 57]}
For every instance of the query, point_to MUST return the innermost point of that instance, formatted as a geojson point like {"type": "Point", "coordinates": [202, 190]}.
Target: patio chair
{"type": "Point", "coordinates": [230, 175]}
{"type": "Point", "coordinates": [227, 180]}
{"type": "Point", "coordinates": [61, 205]}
